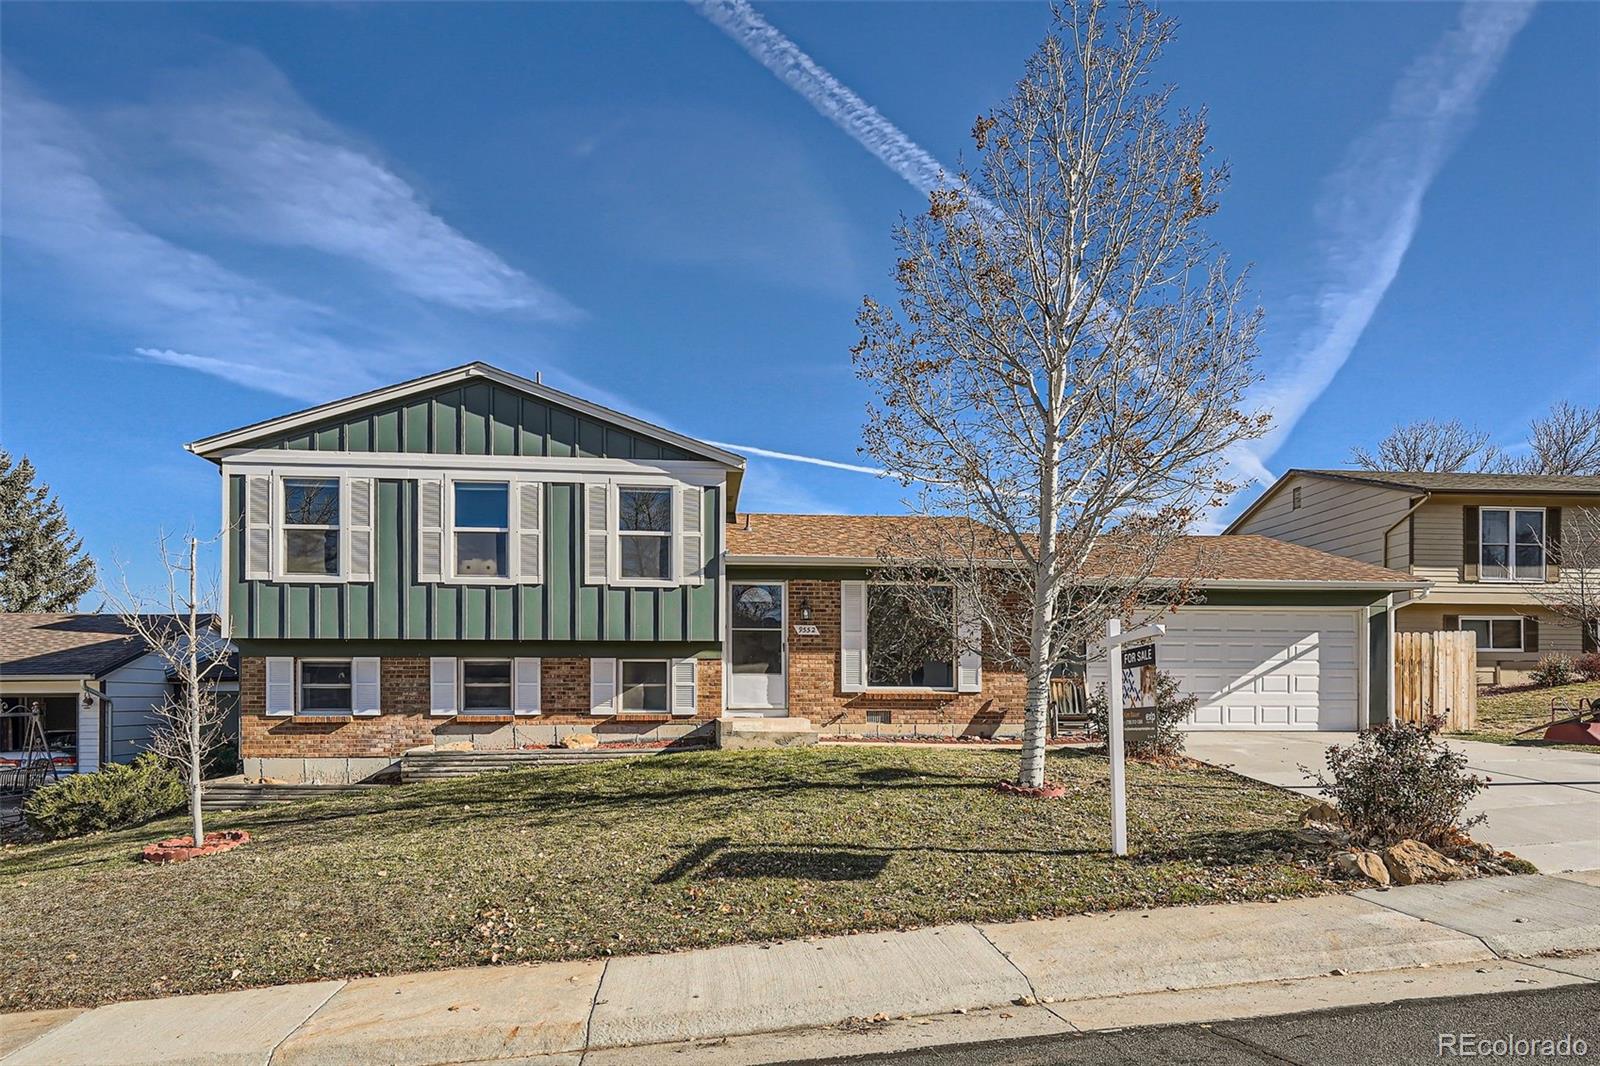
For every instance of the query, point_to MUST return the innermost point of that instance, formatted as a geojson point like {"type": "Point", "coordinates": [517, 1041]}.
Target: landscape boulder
{"type": "Point", "coordinates": [1411, 862]}
{"type": "Point", "coordinates": [1367, 864]}
{"type": "Point", "coordinates": [1321, 813]}
{"type": "Point", "coordinates": [580, 741]}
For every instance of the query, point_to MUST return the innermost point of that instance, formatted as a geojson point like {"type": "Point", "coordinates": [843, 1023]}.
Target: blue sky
{"type": "Point", "coordinates": [218, 213]}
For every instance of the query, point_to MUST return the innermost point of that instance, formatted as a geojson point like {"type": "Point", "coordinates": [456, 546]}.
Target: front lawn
{"type": "Point", "coordinates": [633, 856]}
{"type": "Point", "coordinates": [1502, 715]}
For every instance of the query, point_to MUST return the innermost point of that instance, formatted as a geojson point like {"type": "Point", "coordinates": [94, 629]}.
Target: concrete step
{"type": "Point", "coordinates": [436, 765]}
{"type": "Point", "coordinates": [734, 733]}
{"type": "Point", "coordinates": [233, 797]}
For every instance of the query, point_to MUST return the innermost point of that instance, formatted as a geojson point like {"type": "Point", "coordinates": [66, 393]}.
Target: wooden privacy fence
{"type": "Point", "coordinates": [1437, 674]}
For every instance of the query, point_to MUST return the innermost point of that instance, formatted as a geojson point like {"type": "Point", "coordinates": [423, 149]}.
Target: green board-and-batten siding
{"type": "Point", "coordinates": [397, 606]}
{"type": "Point", "coordinates": [480, 418]}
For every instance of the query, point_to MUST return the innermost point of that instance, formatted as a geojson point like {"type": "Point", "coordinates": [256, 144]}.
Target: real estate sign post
{"type": "Point", "coordinates": [1144, 659]}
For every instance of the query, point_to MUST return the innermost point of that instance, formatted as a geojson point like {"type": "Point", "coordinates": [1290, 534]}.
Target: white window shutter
{"type": "Point", "coordinates": [525, 682]}
{"type": "Point", "coordinates": [596, 534]}
{"type": "Point", "coordinates": [691, 536]}
{"type": "Point", "coordinates": [430, 529]}
{"type": "Point", "coordinates": [684, 703]}
{"type": "Point", "coordinates": [602, 686]}
{"type": "Point", "coordinates": [280, 687]}
{"type": "Point", "coordinates": [358, 541]}
{"type": "Point", "coordinates": [441, 686]}
{"type": "Point", "coordinates": [530, 532]}
{"type": "Point", "coordinates": [852, 636]}
{"type": "Point", "coordinates": [366, 690]}
{"type": "Point", "coordinates": [969, 634]}
{"type": "Point", "coordinates": [258, 527]}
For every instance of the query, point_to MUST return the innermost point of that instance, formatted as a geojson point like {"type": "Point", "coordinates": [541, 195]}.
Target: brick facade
{"type": "Point", "coordinates": [814, 690]}
{"type": "Point", "coordinates": [405, 721]}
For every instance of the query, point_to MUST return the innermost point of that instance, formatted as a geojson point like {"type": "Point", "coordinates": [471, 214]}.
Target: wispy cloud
{"type": "Point", "coordinates": [72, 179]}
{"type": "Point", "coordinates": [285, 175]}
{"type": "Point", "coordinates": [166, 293]}
{"type": "Point", "coordinates": [1370, 207]}
{"type": "Point", "coordinates": [831, 97]}
{"type": "Point", "coordinates": [767, 453]}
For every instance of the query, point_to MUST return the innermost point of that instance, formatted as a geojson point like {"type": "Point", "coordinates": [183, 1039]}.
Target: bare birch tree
{"type": "Point", "coordinates": [1067, 361]}
{"type": "Point", "coordinates": [1427, 446]}
{"type": "Point", "coordinates": [179, 626]}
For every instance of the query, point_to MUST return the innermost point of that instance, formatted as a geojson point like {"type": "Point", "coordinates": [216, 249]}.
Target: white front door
{"type": "Point", "coordinates": [756, 649]}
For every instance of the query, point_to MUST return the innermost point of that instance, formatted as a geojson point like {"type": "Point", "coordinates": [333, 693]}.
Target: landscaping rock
{"type": "Point", "coordinates": [1367, 864]}
{"type": "Point", "coordinates": [580, 741]}
{"type": "Point", "coordinates": [1411, 862]}
{"type": "Point", "coordinates": [1321, 813]}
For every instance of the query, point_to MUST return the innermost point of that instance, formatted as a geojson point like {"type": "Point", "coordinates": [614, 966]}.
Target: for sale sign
{"type": "Point", "coordinates": [1139, 693]}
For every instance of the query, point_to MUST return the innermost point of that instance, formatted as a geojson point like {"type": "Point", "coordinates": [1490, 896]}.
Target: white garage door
{"type": "Point", "coordinates": [1265, 669]}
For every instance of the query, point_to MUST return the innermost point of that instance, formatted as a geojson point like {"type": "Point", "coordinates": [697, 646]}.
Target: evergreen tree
{"type": "Point", "coordinates": [43, 566]}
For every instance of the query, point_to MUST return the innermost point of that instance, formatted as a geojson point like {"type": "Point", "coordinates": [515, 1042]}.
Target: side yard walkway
{"type": "Point", "coordinates": [1498, 932]}
{"type": "Point", "coordinates": [1543, 804]}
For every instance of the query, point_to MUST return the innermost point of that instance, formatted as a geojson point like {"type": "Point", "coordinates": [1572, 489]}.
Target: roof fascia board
{"type": "Point", "coordinates": [1277, 486]}
{"type": "Point", "coordinates": [209, 447]}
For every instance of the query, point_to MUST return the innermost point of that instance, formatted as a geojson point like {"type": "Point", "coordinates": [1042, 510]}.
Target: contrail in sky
{"type": "Point", "coordinates": [1371, 205]}
{"type": "Point", "coordinates": [766, 453]}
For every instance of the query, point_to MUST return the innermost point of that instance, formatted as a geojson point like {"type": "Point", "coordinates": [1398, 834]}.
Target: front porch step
{"type": "Point", "coordinates": [438, 765]}
{"type": "Point", "coordinates": [234, 796]}
{"type": "Point", "coordinates": [734, 733]}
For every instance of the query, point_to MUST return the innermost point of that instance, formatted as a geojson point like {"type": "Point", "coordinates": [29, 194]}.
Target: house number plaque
{"type": "Point", "coordinates": [806, 630]}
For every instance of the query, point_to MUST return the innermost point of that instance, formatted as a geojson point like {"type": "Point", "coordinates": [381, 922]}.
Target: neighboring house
{"type": "Point", "coordinates": [1488, 543]}
{"type": "Point", "coordinates": [96, 682]}
{"type": "Point", "coordinates": [475, 557]}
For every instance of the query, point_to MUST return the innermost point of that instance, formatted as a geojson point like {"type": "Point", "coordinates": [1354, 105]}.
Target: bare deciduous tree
{"type": "Point", "coordinates": [180, 628]}
{"type": "Point", "coordinates": [1575, 593]}
{"type": "Point", "coordinates": [1437, 447]}
{"type": "Point", "coordinates": [1566, 441]}
{"type": "Point", "coordinates": [1068, 359]}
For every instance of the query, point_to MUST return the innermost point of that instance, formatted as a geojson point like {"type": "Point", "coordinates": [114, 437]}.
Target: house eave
{"type": "Point", "coordinates": [213, 446]}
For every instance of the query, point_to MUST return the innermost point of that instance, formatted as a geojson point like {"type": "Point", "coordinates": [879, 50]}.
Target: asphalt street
{"type": "Point", "coordinates": [1407, 1032]}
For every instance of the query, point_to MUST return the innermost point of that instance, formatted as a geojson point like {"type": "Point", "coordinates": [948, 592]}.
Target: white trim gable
{"type": "Point", "coordinates": [214, 446]}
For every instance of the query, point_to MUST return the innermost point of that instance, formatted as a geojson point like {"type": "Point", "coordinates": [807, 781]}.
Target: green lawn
{"type": "Point", "coordinates": [1505, 714]}
{"type": "Point", "coordinates": [641, 855]}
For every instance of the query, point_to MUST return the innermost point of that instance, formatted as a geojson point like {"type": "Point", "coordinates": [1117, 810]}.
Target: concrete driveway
{"type": "Point", "coordinates": [1542, 804]}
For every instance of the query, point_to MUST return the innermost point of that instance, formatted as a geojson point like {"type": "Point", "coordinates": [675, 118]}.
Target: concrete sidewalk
{"type": "Point", "coordinates": [1076, 971]}
{"type": "Point", "coordinates": [1541, 803]}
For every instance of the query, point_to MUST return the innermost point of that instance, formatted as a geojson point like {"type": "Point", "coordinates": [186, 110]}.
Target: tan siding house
{"type": "Point", "coordinates": [1481, 540]}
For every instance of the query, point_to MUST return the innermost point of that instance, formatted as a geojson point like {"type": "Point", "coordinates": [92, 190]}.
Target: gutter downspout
{"type": "Point", "coordinates": [1424, 498]}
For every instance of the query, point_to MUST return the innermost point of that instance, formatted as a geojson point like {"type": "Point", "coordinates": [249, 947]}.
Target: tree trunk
{"type": "Point", "coordinates": [193, 686]}
{"type": "Point", "coordinates": [1035, 722]}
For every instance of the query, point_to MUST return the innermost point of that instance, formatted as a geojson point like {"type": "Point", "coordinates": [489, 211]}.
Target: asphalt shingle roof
{"type": "Point", "coordinates": [91, 645]}
{"type": "Point", "coordinates": [1425, 481]}
{"type": "Point", "coordinates": [1210, 558]}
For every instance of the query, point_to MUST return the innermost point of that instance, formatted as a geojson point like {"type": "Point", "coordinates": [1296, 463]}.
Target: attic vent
{"type": "Point", "coordinates": [1295, 506]}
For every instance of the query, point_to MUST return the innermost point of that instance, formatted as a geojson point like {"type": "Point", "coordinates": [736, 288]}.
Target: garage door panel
{"type": "Point", "coordinates": [1266, 669]}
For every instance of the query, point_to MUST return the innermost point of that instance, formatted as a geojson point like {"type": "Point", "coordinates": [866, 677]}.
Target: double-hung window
{"type": "Point", "coordinates": [644, 685]}
{"type": "Point", "coordinates": [486, 686]}
{"type": "Point", "coordinates": [911, 636]}
{"type": "Point", "coordinates": [325, 687]}
{"type": "Point", "coordinates": [1511, 544]}
{"type": "Point", "coordinates": [1495, 634]}
{"type": "Point", "coordinates": [482, 529]}
{"type": "Point", "coordinates": [311, 526]}
{"type": "Point", "coordinates": [644, 534]}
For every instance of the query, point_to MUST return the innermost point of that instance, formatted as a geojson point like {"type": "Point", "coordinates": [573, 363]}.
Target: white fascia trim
{"type": "Point", "coordinates": [402, 464]}
{"type": "Point", "coordinates": [209, 447]}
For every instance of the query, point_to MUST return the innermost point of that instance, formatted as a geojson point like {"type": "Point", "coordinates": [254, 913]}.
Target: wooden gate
{"type": "Point", "coordinates": [1437, 674]}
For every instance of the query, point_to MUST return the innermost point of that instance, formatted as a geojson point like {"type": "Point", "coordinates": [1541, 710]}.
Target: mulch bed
{"type": "Point", "coordinates": [1065, 741]}
{"type": "Point", "coordinates": [182, 849]}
